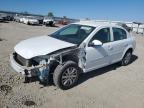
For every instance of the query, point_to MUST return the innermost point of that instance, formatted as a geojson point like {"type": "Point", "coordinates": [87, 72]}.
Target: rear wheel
{"type": "Point", "coordinates": [66, 76]}
{"type": "Point", "coordinates": [127, 58]}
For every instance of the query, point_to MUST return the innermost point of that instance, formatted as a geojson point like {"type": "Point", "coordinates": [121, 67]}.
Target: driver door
{"type": "Point", "coordinates": [98, 56]}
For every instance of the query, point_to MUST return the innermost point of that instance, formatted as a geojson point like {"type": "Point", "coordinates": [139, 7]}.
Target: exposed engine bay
{"type": "Point", "coordinates": [44, 65]}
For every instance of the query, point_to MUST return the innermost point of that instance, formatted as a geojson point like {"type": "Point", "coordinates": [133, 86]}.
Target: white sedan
{"type": "Point", "coordinates": [76, 48]}
{"type": "Point", "coordinates": [30, 21]}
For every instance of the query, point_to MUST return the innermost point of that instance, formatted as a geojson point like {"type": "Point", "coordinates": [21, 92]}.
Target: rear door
{"type": "Point", "coordinates": [118, 45]}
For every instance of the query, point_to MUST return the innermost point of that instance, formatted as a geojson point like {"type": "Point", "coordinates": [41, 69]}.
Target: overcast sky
{"type": "Point", "coordinates": [124, 10]}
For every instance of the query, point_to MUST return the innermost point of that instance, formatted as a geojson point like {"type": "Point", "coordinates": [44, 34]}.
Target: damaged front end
{"type": "Point", "coordinates": [41, 66]}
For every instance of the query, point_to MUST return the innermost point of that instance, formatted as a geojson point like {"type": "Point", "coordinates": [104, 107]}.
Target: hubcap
{"type": "Point", "coordinates": [127, 58]}
{"type": "Point", "coordinates": [69, 76]}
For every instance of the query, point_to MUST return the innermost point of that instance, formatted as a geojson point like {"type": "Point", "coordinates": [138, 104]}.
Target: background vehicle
{"type": "Point", "coordinates": [21, 19]}
{"type": "Point", "coordinates": [125, 26]}
{"type": "Point", "coordinates": [9, 18]}
{"type": "Point", "coordinates": [48, 21]}
{"type": "Point", "coordinates": [72, 50]}
{"type": "Point", "coordinates": [63, 21]}
{"type": "Point", "coordinates": [30, 20]}
{"type": "Point", "coordinates": [40, 20]}
{"type": "Point", "coordinates": [1, 18]}
{"type": "Point", "coordinates": [17, 18]}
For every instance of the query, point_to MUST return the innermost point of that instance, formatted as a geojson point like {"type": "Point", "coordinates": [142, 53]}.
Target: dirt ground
{"type": "Point", "coordinates": [110, 87]}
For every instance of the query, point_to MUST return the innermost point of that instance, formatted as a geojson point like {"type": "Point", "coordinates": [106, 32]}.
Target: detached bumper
{"type": "Point", "coordinates": [27, 71]}
{"type": "Point", "coordinates": [41, 70]}
{"type": "Point", "coordinates": [17, 67]}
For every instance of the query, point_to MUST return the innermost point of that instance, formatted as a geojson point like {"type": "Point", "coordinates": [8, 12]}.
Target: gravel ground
{"type": "Point", "coordinates": [110, 87]}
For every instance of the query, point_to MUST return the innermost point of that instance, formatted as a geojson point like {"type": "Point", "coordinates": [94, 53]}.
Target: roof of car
{"type": "Point", "coordinates": [96, 24]}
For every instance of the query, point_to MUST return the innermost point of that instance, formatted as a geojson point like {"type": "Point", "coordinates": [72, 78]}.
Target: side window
{"type": "Point", "coordinates": [119, 34]}
{"type": "Point", "coordinates": [102, 35]}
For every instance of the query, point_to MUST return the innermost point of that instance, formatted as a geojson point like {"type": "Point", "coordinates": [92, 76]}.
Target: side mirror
{"type": "Point", "coordinates": [96, 43]}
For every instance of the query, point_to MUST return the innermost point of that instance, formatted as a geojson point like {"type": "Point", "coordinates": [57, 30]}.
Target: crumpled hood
{"type": "Point", "coordinates": [40, 46]}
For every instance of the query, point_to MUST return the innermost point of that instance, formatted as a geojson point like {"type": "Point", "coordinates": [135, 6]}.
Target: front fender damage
{"type": "Point", "coordinates": [42, 70]}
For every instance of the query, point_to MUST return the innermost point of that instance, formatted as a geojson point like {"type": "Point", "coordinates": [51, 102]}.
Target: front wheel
{"type": "Point", "coordinates": [28, 23]}
{"type": "Point", "coordinates": [66, 76]}
{"type": "Point", "coordinates": [127, 58]}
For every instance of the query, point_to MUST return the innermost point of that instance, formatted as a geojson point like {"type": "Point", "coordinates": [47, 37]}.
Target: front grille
{"type": "Point", "coordinates": [22, 61]}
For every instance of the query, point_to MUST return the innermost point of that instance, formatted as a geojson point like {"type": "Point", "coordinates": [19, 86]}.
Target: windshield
{"type": "Point", "coordinates": [73, 33]}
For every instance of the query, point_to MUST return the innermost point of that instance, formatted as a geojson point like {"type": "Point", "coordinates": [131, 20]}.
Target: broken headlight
{"type": "Point", "coordinates": [36, 60]}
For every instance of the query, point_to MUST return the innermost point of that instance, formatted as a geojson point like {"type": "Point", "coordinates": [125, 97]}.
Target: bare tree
{"type": "Point", "coordinates": [50, 14]}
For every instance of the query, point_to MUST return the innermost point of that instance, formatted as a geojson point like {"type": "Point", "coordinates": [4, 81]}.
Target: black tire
{"type": "Point", "coordinates": [51, 23]}
{"type": "Point", "coordinates": [28, 23]}
{"type": "Point", "coordinates": [61, 73]}
{"type": "Point", "coordinates": [127, 58]}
